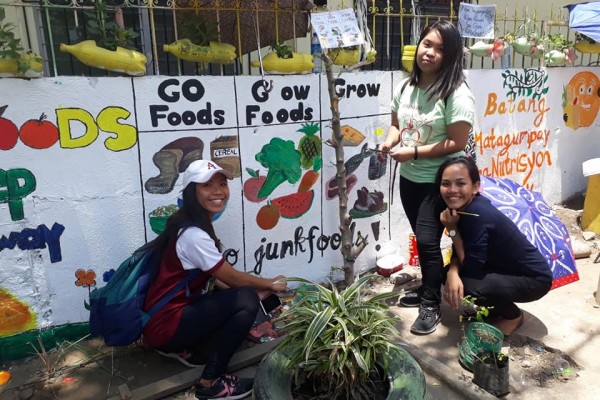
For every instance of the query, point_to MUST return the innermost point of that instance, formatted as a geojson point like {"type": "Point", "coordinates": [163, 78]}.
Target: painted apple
{"type": "Point", "coordinates": [253, 185]}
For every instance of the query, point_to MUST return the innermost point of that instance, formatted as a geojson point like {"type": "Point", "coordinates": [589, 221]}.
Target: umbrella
{"type": "Point", "coordinates": [528, 210]}
{"type": "Point", "coordinates": [268, 20]}
{"type": "Point", "coordinates": [585, 19]}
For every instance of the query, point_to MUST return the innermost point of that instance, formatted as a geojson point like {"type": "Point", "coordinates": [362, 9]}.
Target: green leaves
{"type": "Point", "coordinates": [107, 33]}
{"type": "Point", "coordinates": [338, 337]}
{"type": "Point", "coordinates": [10, 45]}
{"type": "Point", "coordinates": [282, 50]}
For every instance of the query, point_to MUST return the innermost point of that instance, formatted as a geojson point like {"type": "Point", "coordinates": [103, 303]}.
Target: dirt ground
{"type": "Point", "coordinates": [90, 370]}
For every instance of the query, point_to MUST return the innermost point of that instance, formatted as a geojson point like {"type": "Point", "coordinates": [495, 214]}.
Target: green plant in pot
{"type": "Point", "coordinates": [110, 45]}
{"type": "Point", "coordinates": [478, 334]}
{"type": "Point", "coordinates": [283, 60]}
{"type": "Point", "coordinates": [490, 372]}
{"type": "Point", "coordinates": [14, 60]}
{"type": "Point", "coordinates": [561, 51]}
{"type": "Point", "coordinates": [338, 344]}
{"type": "Point", "coordinates": [199, 41]}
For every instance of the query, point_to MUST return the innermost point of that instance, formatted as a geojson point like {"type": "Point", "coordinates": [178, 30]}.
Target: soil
{"type": "Point", "coordinates": [378, 390]}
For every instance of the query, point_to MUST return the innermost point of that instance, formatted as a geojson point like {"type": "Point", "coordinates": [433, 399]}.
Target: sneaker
{"type": "Point", "coordinates": [226, 387]}
{"type": "Point", "coordinates": [411, 299]}
{"type": "Point", "coordinates": [429, 317]}
{"type": "Point", "coordinates": [185, 357]}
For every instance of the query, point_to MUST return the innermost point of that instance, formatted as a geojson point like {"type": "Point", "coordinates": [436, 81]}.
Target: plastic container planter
{"type": "Point", "coordinates": [479, 336]}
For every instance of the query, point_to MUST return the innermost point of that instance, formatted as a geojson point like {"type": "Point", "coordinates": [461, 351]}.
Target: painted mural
{"type": "Point", "coordinates": [90, 169]}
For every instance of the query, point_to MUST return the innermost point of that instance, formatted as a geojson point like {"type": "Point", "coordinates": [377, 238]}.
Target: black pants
{"type": "Point", "coordinates": [216, 323]}
{"type": "Point", "coordinates": [422, 206]}
{"type": "Point", "coordinates": [503, 291]}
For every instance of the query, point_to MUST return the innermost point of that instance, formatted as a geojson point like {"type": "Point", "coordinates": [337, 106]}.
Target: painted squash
{"type": "Point", "coordinates": [300, 63]}
{"type": "Point", "coordinates": [481, 49]}
{"type": "Point", "coordinates": [222, 53]}
{"type": "Point", "coordinates": [10, 67]}
{"type": "Point", "coordinates": [127, 61]}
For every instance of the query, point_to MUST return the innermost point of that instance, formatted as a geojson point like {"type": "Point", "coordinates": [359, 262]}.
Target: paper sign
{"type": "Point", "coordinates": [476, 21]}
{"type": "Point", "coordinates": [337, 28]}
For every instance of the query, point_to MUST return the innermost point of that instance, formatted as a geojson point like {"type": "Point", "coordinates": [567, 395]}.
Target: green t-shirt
{"type": "Point", "coordinates": [424, 122]}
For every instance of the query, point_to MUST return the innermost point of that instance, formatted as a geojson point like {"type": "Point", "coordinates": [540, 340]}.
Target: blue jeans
{"type": "Point", "coordinates": [216, 323]}
{"type": "Point", "coordinates": [422, 206]}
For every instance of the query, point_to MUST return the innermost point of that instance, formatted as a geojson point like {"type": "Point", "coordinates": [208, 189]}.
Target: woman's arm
{"type": "Point", "coordinates": [233, 278]}
{"type": "Point", "coordinates": [454, 289]}
{"type": "Point", "coordinates": [449, 218]}
{"type": "Point", "coordinates": [458, 134]}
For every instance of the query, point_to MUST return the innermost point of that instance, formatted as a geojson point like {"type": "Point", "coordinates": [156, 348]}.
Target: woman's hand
{"type": "Point", "coordinates": [449, 218]}
{"type": "Point", "coordinates": [454, 289]}
{"type": "Point", "coordinates": [278, 284]}
{"type": "Point", "coordinates": [384, 149]}
{"type": "Point", "coordinates": [403, 154]}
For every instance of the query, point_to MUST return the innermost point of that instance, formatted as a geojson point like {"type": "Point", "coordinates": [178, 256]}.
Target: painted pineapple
{"type": "Point", "coordinates": [310, 144]}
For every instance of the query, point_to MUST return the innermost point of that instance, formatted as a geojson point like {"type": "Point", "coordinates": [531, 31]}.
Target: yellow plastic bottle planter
{"type": "Point", "coordinates": [300, 63]}
{"type": "Point", "coordinates": [10, 67]}
{"type": "Point", "coordinates": [408, 57]}
{"type": "Point", "coordinates": [222, 53]}
{"type": "Point", "coordinates": [127, 61]}
{"type": "Point", "coordinates": [584, 46]}
{"type": "Point", "coordinates": [343, 56]}
{"type": "Point", "coordinates": [590, 219]}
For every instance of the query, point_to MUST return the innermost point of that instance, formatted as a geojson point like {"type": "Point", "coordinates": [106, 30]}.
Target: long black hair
{"type": "Point", "coordinates": [466, 161]}
{"type": "Point", "coordinates": [191, 213]}
{"type": "Point", "coordinates": [451, 75]}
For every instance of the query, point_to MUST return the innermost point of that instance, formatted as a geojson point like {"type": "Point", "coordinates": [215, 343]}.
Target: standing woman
{"type": "Point", "coordinates": [432, 114]}
{"type": "Point", "coordinates": [492, 260]}
{"type": "Point", "coordinates": [200, 325]}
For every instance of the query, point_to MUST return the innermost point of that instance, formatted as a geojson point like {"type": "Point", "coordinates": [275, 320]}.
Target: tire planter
{"type": "Point", "coordinates": [479, 336]}
{"type": "Point", "coordinates": [273, 381]}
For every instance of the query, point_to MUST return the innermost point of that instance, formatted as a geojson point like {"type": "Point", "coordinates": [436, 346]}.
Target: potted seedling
{"type": "Point", "coordinates": [14, 61]}
{"type": "Point", "coordinates": [490, 372]}
{"type": "Point", "coordinates": [199, 41]}
{"type": "Point", "coordinates": [110, 45]}
{"type": "Point", "coordinates": [282, 60]}
{"type": "Point", "coordinates": [561, 51]}
{"type": "Point", "coordinates": [478, 335]}
{"type": "Point", "coordinates": [338, 345]}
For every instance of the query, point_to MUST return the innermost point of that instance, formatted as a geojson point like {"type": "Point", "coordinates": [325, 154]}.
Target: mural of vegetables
{"type": "Point", "coordinates": [253, 185]}
{"type": "Point", "coordinates": [283, 161]}
{"type": "Point", "coordinates": [9, 134]}
{"type": "Point", "coordinates": [39, 133]}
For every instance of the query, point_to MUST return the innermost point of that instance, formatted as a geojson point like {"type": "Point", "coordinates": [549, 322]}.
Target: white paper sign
{"type": "Point", "coordinates": [337, 28]}
{"type": "Point", "coordinates": [476, 21]}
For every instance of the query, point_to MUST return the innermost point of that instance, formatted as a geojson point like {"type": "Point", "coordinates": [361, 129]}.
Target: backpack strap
{"type": "Point", "coordinates": [167, 297]}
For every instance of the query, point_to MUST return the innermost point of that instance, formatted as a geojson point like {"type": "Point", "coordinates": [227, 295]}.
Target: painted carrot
{"type": "Point", "coordinates": [308, 181]}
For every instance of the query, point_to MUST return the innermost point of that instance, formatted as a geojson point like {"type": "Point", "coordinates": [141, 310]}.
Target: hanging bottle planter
{"type": "Point", "coordinates": [222, 53]}
{"type": "Point", "coordinates": [408, 57]}
{"type": "Point", "coordinates": [283, 61]}
{"type": "Point", "coordinates": [122, 60]}
{"type": "Point", "coordinates": [344, 56]}
{"type": "Point", "coordinates": [28, 65]}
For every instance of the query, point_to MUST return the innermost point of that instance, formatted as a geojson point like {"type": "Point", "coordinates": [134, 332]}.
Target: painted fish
{"type": "Point", "coordinates": [354, 162]}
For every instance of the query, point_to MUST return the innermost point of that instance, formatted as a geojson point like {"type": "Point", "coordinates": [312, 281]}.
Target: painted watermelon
{"type": "Point", "coordinates": [294, 205]}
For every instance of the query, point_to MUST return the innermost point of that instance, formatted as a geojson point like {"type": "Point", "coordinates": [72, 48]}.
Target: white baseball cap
{"type": "Point", "coordinates": [200, 171]}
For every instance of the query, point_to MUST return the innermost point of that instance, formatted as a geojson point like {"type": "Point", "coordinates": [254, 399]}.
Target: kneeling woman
{"type": "Point", "coordinates": [198, 315]}
{"type": "Point", "coordinates": [492, 260]}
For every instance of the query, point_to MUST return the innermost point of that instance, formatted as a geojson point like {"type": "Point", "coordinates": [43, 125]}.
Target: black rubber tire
{"type": "Point", "coordinates": [273, 382]}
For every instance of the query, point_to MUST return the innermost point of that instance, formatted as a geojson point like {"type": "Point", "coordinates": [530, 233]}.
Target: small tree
{"type": "Point", "coordinates": [349, 251]}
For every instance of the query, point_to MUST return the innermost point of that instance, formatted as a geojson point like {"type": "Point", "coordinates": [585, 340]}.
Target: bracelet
{"type": "Point", "coordinates": [416, 153]}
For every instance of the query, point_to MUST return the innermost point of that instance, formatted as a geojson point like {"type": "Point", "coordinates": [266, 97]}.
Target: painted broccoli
{"type": "Point", "coordinates": [283, 161]}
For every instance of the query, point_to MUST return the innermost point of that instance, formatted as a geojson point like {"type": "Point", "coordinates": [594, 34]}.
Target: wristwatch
{"type": "Point", "coordinates": [452, 233]}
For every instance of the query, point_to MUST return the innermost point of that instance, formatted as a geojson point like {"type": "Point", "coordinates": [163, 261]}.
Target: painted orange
{"type": "Point", "coordinates": [39, 133]}
{"type": "Point", "coordinates": [4, 377]}
{"type": "Point", "coordinates": [268, 216]}
{"type": "Point", "coordinates": [581, 100]}
{"type": "Point", "coordinates": [15, 317]}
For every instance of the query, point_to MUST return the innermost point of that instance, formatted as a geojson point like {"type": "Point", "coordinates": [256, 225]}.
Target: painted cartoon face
{"type": "Point", "coordinates": [213, 195]}
{"type": "Point", "coordinates": [581, 100]}
{"type": "Point", "coordinates": [430, 53]}
{"type": "Point", "coordinates": [457, 189]}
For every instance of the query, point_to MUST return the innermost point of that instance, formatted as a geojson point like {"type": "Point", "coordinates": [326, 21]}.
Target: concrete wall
{"type": "Point", "coordinates": [76, 190]}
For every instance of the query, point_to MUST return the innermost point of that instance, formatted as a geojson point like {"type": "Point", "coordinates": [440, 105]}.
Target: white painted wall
{"type": "Point", "coordinates": [93, 182]}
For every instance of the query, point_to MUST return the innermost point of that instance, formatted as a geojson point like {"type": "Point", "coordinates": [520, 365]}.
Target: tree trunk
{"type": "Point", "coordinates": [348, 250]}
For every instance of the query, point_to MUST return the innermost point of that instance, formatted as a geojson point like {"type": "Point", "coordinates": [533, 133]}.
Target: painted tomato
{"type": "Point", "coordinates": [9, 134]}
{"type": "Point", "coordinates": [39, 133]}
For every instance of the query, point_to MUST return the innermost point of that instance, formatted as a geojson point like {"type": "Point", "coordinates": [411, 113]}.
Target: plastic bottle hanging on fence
{"type": "Point", "coordinates": [315, 50]}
